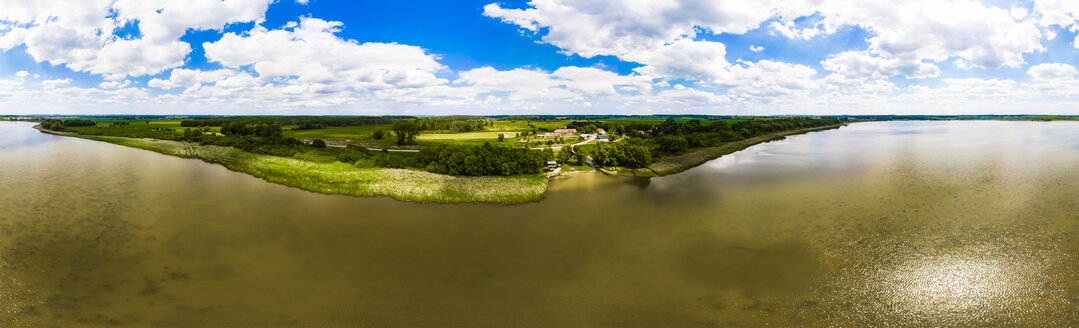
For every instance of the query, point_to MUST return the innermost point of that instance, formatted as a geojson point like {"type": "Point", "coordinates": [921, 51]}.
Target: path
{"type": "Point", "coordinates": [590, 138]}
{"type": "Point", "coordinates": [377, 149]}
{"type": "Point", "coordinates": [190, 151]}
{"type": "Point", "coordinates": [600, 169]}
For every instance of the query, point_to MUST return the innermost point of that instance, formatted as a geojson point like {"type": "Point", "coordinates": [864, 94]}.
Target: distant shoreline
{"type": "Point", "coordinates": [677, 164]}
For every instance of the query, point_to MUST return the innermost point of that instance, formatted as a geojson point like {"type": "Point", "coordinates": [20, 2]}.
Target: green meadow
{"type": "Point", "coordinates": [342, 178]}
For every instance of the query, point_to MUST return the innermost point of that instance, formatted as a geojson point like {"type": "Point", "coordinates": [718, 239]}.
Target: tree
{"type": "Point", "coordinates": [251, 128]}
{"type": "Point", "coordinates": [564, 155]}
{"type": "Point", "coordinates": [406, 132]}
{"type": "Point", "coordinates": [53, 124]}
{"type": "Point", "coordinates": [501, 137]}
{"type": "Point", "coordinates": [318, 143]}
{"type": "Point", "coordinates": [672, 144]}
{"type": "Point", "coordinates": [378, 135]}
{"type": "Point", "coordinates": [548, 154]}
{"type": "Point", "coordinates": [191, 134]}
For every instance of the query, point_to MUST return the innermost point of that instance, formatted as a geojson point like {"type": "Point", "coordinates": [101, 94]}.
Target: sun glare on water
{"type": "Point", "coordinates": [955, 286]}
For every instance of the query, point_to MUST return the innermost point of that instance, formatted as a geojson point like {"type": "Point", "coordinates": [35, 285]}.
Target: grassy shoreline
{"type": "Point", "coordinates": [345, 179]}
{"type": "Point", "coordinates": [676, 164]}
{"type": "Point", "coordinates": [403, 184]}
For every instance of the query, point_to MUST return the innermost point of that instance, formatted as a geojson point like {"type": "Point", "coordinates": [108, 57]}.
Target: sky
{"type": "Point", "coordinates": [554, 57]}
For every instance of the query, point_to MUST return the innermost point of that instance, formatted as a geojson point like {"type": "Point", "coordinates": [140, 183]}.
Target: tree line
{"type": "Point", "coordinates": [323, 121]}
{"type": "Point", "coordinates": [481, 160]}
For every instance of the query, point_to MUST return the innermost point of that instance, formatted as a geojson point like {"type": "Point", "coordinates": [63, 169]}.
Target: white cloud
{"type": "Point", "coordinates": [312, 53]}
{"type": "Point", "coordinates": [187, 78]}
{"type": "Point", "coordinates": [51, 84]}
{"type": "Point", "coordinates": [1019, 13]}
{"type": "Point", "coordinates": [767, 79]}
{"type": "Point", "coordinates": [789, 29]}
{"type": "Point", "coordinates": [82, 34]}
{"type": "Point", "coordinates": [937, 30]}
{"type": "Point", "coordinates": [860, 65]}
{"type": "Point", "coordinates": [1057, 12]}
{"type": "Point", "coordinates": [114, 84]}
{"type": "Point", "coordinates": [526, 19]}
{"type": "Point", "coordinates": [684, 59]}
{"type": "Point", "coordinates": [518, 84]}
{"type": "Point", "coordinates": [305, 66]}
{"type": "Point", "coordinates": [600, 27]}
{"type": "Point", "coordinates": [915, 30]}
{"type": "Point", "coordinates": [683, 95]}
{"type": "Point", "coordinates": [592, 82]}
{"type": "Point", "coordinates": [1051, 71]}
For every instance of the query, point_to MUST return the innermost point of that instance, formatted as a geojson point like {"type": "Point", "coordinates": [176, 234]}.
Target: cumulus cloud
{"type": "Point", "coordinates": [311, 53]}
{"type": "Point", "coordinates": [684, 59]}
{"type": "Point", "coordinates": [51, 84]}
{"type": "Point", "coordinates": [933, 30]}
{"type": "Point", "coordinates": [767, 78]}
{"type": "Point", "coordinates": [937, 30]}
{"type": "Point", "coordinates": [599, 27]}
{"type": "Point", "coordinates": [1051, 71]}
{"type": "Point", "coordinates": [592, 82]}
{"type": "Point", "coordinates": [1063, 13]}
{"type": "Point", "coordinates": [861, 65]}
{"type": "Point", "coordinates": [306, 65]}
{"type": "Point", "coordinates": [84, 35]}
{"type": "Point", "coordinates": [114, 84]}
{"type": "Point", "coordinates": [187, 78]}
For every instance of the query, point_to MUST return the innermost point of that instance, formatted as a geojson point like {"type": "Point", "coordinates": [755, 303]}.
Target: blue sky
{"type": "Point", "coordinates": [538, 57]}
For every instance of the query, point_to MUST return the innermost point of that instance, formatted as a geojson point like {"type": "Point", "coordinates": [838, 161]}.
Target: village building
{"type": "Point", "coordinates": [564, 131]}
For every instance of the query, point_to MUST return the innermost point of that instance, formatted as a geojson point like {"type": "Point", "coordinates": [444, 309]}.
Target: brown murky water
{"type": "Point", "coordinates": [874, 224]}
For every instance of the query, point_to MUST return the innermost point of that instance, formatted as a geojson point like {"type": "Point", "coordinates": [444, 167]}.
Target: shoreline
{"type": "Point", "coordinates": [344, 179]}
{"type": "Point", "coordinates": [403, 184]}
{"type": "Point", "coordinates": [677, 164]}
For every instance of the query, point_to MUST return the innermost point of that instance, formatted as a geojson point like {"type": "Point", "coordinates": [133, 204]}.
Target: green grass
{"type": "Point", "coordinates": [504, 125]}
{"type": "Point", "coordinates": [362, 135]}
{"type": "Point", "coordinates": [466, 139]}
{"type": "Point", "coordinates": [341, 178]}
{"type": "Point", "coordinates": [343, 135]}
{"type": "Point", "coordinates": [465, 135]}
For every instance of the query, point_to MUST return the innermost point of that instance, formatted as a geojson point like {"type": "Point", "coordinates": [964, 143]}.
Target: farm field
{"type": "Point", "coordinates": [343, 135]}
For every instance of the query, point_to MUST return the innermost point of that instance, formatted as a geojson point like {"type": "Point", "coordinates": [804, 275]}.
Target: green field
{"type": "Point", "coordinates": [467, 139]}
{"type": "Point", "coordinates": [504, 125]}
{"type": "Point", "coordinates": [342, 178]}
{"type": "Point", "coordinates": [344, 135]}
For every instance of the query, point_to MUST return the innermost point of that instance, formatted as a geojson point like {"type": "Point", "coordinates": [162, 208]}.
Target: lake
{"type": "Point", "coordinates": [930, 223]}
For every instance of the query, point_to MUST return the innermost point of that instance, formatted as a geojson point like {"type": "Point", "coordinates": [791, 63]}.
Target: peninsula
{"type": "Point", "coordinates": [454, 159]}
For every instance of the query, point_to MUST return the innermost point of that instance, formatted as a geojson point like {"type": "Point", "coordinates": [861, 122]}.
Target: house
{"type": "Point", "coordinates": [564, 131]}
{"type": "Point", "coordinates": [552, 165]}
{"type": "Point", "coordinates": [600, 132]}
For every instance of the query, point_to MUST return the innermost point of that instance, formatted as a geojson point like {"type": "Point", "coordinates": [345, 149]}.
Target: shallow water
{"type": "Point", "coordinates": [956, 223]}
